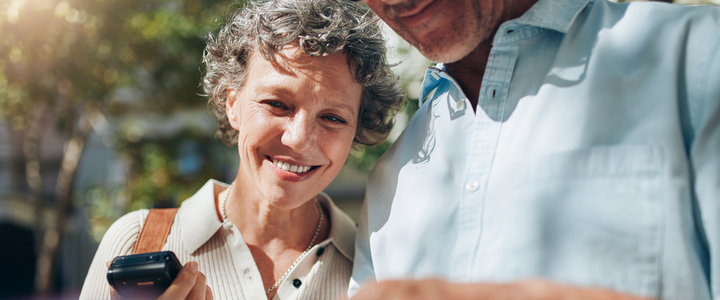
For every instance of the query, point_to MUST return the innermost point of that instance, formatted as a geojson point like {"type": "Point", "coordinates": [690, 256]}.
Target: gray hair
{"type": "Point", "coordinates": [320, 27]}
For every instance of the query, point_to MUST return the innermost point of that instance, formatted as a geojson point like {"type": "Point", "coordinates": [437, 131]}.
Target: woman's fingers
{"type": "Point", "coordinates": [113, 294]}
{"type": "Point", "coordinates": [189, 284]}
{"type": "Point", "coordinates": [183, 283]}
{"type": "Point", "coordinates": [198, 290]}
{"type": "Point", "coordinates": [208, 293]}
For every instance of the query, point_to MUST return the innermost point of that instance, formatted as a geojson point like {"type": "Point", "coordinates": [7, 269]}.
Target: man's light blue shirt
{"type": "Point", "coordinates": [593, 159]}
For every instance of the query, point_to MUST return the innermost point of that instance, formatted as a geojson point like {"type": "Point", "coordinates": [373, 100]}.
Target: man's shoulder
{"type": "Point", "coordinates": [634, 32]}
{"type": "Point", "coordinates": [657, 14]}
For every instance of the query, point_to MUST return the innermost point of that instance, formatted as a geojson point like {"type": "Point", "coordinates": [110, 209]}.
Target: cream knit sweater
{"type": "Point", "coordinates": [226, 261]}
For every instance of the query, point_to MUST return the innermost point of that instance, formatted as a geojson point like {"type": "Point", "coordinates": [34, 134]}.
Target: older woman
{"type": "Point", "coordinates": [296, 84]}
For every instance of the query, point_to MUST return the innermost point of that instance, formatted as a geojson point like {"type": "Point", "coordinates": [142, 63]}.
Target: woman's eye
{"type": "Point", "coordinates": [335, 119]}
{"type": "Point", "coordinates": [275, 104]}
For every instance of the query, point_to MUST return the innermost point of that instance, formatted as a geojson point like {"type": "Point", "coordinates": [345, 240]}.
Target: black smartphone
{"type": "Point", "coordinates": [143, 276]}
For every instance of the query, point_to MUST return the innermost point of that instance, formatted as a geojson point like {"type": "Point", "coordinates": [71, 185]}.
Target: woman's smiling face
{"type": "Point", "coordinates": [296, 121]}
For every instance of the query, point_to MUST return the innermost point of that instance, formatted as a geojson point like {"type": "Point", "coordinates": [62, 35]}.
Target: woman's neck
{"type": "Point", "coordinates": [271, 228]}
{"type": "Point", "coordinates": [276, 237]}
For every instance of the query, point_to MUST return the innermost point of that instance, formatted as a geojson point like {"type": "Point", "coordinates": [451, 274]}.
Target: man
{"type": "Point", "coordinates": [563, 149]}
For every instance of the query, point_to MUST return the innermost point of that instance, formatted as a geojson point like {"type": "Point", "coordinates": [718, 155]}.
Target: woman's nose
{"type": "Point", "coordinates": [299, 134]}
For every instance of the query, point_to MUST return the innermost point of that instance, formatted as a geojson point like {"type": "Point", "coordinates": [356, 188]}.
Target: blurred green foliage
{"type": "Point", "coordinates": [124, 57]}
{"type": "Point", "coordinates": [162, 173]}
{"type": "Point", "coordinates": [129, 55]}
{"type": "Point", "coordinates": [166, 172]}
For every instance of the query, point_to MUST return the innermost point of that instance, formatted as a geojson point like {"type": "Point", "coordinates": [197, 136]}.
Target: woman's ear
{"type": "Point", "coordinates": [230, 109]}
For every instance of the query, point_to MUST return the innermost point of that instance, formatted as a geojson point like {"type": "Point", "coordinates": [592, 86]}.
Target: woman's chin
{"type": "Point", "coordinates": [289, 202]}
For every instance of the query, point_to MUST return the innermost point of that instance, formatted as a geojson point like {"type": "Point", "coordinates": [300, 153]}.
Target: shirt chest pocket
{"type": "Point", "coordinates": [590, 217]}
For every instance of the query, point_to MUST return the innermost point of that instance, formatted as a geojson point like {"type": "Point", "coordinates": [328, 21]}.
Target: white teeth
{"type": "Point", "coordinates": [288, 167]}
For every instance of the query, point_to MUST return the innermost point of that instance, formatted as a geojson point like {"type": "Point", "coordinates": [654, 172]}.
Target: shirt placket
{"type": "Point", "coordinates": [482, 141]}
{"type": "Point", "coordinates": [298, 276]}
{"type": "Point", "coordinates": [248, 273]}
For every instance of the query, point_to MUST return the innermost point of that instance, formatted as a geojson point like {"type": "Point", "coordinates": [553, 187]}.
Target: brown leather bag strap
{"type": "Point", "coordinates": [155, 230]}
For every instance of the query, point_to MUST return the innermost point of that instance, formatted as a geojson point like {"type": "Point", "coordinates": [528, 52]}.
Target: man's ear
{"type": "Point", "coordinates": [232, 113]}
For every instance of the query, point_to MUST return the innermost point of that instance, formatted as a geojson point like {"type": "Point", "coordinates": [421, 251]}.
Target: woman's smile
{"type": "Point", "coordinates": [293, 172]}
{"type": "Point", "coordinates": [290, 167]}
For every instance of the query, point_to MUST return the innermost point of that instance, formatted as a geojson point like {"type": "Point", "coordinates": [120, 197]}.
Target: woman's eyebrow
{"type": "Point", "coordinates": [342, 105]}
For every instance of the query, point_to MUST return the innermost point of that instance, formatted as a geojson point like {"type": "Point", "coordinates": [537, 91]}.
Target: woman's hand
{"type": "Point", "coordinates": [189, 284]}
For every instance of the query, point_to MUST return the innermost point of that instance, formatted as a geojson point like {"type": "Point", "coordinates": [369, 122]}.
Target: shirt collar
{"type": "Point", "coordinates": [557, 15]}
{"type": "Point", "coordinates": [197, 216]}
{"type": "Point", "coordinates": [200, 208]}
{"type": "Point", "coordinates": [342, 228]}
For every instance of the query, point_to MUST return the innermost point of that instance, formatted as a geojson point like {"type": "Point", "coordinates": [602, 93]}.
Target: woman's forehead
{"type": "Point", "coordinates": [292, 60]}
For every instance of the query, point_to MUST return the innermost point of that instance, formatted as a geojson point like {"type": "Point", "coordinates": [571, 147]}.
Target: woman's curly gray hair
{"type": "Point", "coordinates": [321, 27]}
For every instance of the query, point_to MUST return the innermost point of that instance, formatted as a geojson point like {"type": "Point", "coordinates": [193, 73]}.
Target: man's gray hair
{"type": "Point", "coordinates": [319, 27]}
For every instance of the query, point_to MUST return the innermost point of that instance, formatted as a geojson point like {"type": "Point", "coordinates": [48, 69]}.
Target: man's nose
{"type": "Point", "coordinates": [299, 134]}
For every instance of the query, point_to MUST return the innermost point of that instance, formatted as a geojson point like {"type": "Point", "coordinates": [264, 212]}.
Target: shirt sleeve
{"type": "Point", "coordinates": [118, 240]}
{"type": "Point", "coordinates": [363, 270]}
{"type": "Point", "coordinates": [705, 159]}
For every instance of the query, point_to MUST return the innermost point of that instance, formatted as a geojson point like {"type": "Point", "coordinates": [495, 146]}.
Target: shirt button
{"type": "Point", "coordinates": [247, 275]}
{"type": "Point", "coordinates": [472, 186]}
{"type": "Point", "coordinates": [297, 283]}
{"type": "Point", "coordinates": [461, 105]}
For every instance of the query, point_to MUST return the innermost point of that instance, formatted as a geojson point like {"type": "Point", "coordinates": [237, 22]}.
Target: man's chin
{"type": "Point", "coordinates": [443, 54]}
